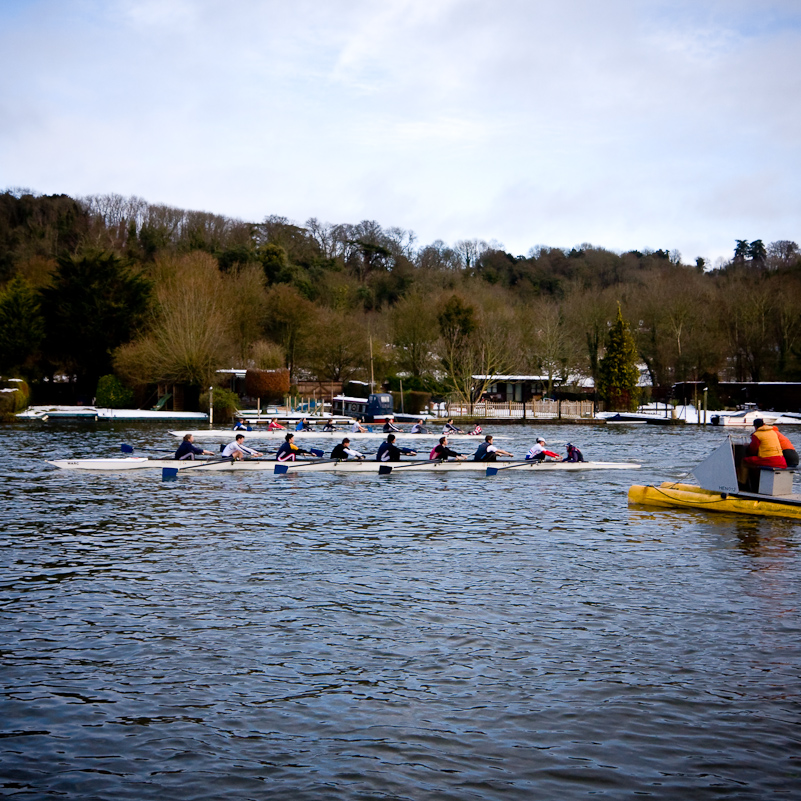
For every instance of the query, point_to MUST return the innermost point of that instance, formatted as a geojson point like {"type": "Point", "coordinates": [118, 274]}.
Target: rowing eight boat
{"type": "Point", "coordinates": [328, 465]}
{"type": "Point", "coordinates": [223, 435]}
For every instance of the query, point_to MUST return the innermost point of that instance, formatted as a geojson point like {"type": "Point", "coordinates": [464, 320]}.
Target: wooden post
{"type": "Point", "coordinates": [211, 407]}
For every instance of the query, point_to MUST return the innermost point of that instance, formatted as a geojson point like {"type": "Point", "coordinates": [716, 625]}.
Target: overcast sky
{"type": "Point", "coordinates": [623, 123]}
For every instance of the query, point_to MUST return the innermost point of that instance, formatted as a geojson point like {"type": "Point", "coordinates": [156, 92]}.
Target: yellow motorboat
{"type": "Point", "coordinates": [719, 490]}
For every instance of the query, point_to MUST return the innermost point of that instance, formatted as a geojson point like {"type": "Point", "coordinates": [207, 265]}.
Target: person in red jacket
{"type": "Point", "coordinates": [765, 448]}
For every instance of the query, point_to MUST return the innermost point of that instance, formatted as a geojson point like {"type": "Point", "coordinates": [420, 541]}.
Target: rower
{"type": "Point", "coordinates": [418, 428]}
{"type": "Point", "coordinates": [288, 450]}
{"type": "Point", "coordinates": [188, 450]}
{"type": "Point", "coordinates": [450, 428]}
{"type": "Point", "coordinates": [343, 451]}
{"type": "Point", "coordinates": [357, 427]}
{"type": "Point", "coordinates": [487, 452]}
{"type": "Point", "coordinates": [275, 425]}
{"type": "Point", "coordinates": [237, 449]}
{"type": "Point", "coordinates": [389, 452]}
{"type": "Point", "coordinates": [538, 452]}
{"type": "Point", "coordinates": [390, 426]}
{"type": "Point", "coordinates": [442, 451]}
{"type": "Point", "coordinates": [241, 425]}
{"type": "Point", "coordinates": [303, 425]}
{"type": "Point", "coordinates": [329, 426]}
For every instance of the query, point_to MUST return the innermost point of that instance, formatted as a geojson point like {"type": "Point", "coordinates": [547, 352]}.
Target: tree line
{"type": "Point", "coordinates": [115, 285]}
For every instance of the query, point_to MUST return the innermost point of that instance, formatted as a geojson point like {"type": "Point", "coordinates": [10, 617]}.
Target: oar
{"type": "Point", "coordinates": [386, 468]}
{"type": "Point", "coordinates": [171, 473]}
{"type": "Point", "coordinates": [493, 471]}
{"type": "Point", "coordinates": [283, 467]}
{"type": "Point", "coordinates": [130, 449]}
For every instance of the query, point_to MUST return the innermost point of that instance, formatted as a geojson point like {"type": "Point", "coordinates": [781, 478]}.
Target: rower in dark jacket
{"type": "Point", "coordinates": [343, 451]}
{"type": "Point", "coordinates": [288, 450]}
{"type": "Point", "coordinates": [188, 450]}
{"type": "Point", "coordinates": [442, 451]}
{"type": "Point", "coordinates": [389, 452]}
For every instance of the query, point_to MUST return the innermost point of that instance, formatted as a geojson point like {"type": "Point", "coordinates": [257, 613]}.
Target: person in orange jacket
{"type": "Point", "coordinates": [765, 448]}
{"type": "Point", "coordinates": [788, 449]}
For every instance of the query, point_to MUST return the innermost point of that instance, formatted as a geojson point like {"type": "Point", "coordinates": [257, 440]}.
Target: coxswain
{"type": "Point", "coordinates": [487, 452]}
{"type": "Point", "coordinates": [390, 426]}
{"type": "Point", "coordinates": [288, 450]}
{"type": "Point", "coordinates": [238, 450]}
{"type": "Point", "coordinates": [188, 450]}
{"type": "Point", "coordinates": [573, 454]}
{"type": "Point", "coordinates": [357, 427]}
{"type": "Point", "coordinates": [450, 428]}
{"type": "Point", "coordinates": [275, 425]}
{"type": "Point", "coordinates": [538, 452]}
{"type": "Point", "coordinates": [442, 451]}
{"type": "Point", "coordinates": [389, 452]}
{"type": "Point", "coordinates": [343, 451]}
{"type": "Point", "coordinates": [418, 428]}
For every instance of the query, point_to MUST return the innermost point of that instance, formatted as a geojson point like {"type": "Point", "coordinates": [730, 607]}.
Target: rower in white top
{"type": "Point", "coordinates": [238, 450]}
{"type": "Point", "coordinates": [538, 452]}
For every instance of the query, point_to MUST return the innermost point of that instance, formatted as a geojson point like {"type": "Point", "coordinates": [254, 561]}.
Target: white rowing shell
{"type": "Point", "coordinates": [218, 434]}
{"type": "Point", "coordinates": [326, 465]}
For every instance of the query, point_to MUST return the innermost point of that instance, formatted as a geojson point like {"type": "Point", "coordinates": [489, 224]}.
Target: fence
{"type": "Point", "coordinates": [533, 410]}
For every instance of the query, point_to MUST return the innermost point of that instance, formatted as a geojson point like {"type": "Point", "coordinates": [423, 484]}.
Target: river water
{"type": "Point", "coordinates": [403, 637]}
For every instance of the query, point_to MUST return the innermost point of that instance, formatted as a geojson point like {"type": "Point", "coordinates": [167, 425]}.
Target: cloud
{"type": "Point", "coordinates": [668, 124]}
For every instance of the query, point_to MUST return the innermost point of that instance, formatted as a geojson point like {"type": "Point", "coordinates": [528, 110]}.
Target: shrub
{"type": "Point", "coordinates": [112, 394]}
{"type": "Point", "coordinates": [267, 385]}
{"type": "Point", "coordinates": [226, 404]}
{"type": "Point", "coordinates": [13, 402]}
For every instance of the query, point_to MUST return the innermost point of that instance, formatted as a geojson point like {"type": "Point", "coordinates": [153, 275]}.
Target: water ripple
{"type": "Point", "coordinates": [403, 637]}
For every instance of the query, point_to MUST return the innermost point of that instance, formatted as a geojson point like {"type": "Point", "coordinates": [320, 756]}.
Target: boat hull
{"type": "Point", "coordinates": [122, 464]}
{"type": "Point", "coordinates": [688, 496]}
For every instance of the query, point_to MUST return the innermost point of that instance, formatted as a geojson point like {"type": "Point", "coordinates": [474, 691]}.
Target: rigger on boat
{"type": "Point", "coordinates": [720, 491]}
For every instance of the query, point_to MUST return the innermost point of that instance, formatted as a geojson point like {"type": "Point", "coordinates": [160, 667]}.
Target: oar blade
{"type": "Point", "coordinates": [280, 469]}
{"type": "Point", "coordinates": [169, 473]}
{"type": "Point", "coordinates": [492, 471]}
{"type": "Point", "coordinates": [126, 448]}
{"type": "Point", "coordinates": [384, 469]}
{"type": "Point", "coordinates": [316, 452]}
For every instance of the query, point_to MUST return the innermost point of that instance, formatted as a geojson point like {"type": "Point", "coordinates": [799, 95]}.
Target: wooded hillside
{"type": "Point", "coordinates": [108, 284]}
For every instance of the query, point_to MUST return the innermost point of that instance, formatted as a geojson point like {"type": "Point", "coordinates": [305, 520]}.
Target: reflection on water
{"type": "Point", "coordinates": [409, 636]}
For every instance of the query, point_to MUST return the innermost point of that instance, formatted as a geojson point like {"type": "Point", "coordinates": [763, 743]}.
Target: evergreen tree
{"type": "Point", "coordinates": [94, 304]}
{"type": "Point", "coordinates": [618, 373]}
{"type": "Point", "coordinates": [21, 325]}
